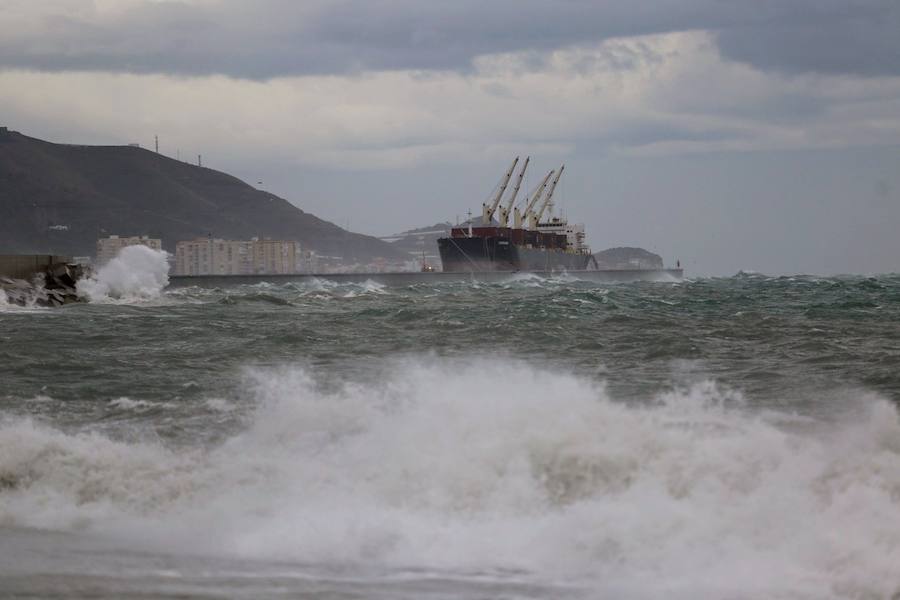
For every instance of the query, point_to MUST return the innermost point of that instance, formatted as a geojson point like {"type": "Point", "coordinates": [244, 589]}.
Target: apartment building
{"type": "Point", "coordinates": [213, 256]}
{"type": "Point", "coordinates": [108, 247]}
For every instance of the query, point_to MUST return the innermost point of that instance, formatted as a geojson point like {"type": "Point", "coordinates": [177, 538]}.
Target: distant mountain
{"type": "Point", "coordinates": [59, 198]}
{"type": "Point", "coordinates": [628, 258]}
{"type": "Point", "coordinates": [424, 239]}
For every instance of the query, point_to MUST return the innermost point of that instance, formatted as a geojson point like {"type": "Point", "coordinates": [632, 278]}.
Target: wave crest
{"type": "Point", "coordinates": [497, 464]}
{"type": "Point", "coordinates": [137, 273]}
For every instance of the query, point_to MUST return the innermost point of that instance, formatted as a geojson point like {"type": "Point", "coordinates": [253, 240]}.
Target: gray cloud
{"type": "Point", "coordinates": [273, 38]}
{"type": "Point", "coordinates": [861, 38]}
{"type": "Point", "coordinates": [669, 142]}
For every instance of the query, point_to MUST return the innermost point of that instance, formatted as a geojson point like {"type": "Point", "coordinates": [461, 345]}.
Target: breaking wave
{"type": "Point", "coordinates": [497, 465]}
{"type": "Point", "coordinates": [34, 294]}
{"type": "Point", "coordinates": [136, 273]}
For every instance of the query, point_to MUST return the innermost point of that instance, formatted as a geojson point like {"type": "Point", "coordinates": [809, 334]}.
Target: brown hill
{"type": "Point", "coordinates": [59, 198]}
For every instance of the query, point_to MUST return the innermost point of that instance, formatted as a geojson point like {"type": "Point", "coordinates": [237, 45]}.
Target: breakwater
{"type": "Point", "coordinates": [39, 279]}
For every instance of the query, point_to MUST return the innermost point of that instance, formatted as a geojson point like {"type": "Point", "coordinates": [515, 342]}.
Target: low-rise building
{"type": "Point", "coordinates": [109, 247]}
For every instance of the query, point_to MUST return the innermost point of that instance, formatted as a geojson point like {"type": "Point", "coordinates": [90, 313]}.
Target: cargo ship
{"type": "Point", "coordinates": [532, 243]}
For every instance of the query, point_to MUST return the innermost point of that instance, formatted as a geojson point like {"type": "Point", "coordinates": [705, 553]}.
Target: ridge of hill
{"type": "Point", "coordinates": [414, 242]}
{"type": "Point", "coordinates": [60, 198]}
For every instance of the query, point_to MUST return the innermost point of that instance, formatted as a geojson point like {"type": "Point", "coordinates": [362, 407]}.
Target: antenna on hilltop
{"type": "Point", "coordinates": [156, 142]}
{"type": "Point", "coordinates": [199, 160]}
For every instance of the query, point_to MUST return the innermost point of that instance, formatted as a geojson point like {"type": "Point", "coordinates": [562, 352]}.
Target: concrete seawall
{"type": "Point", "coordinates": [26, 266]}
{"type": "Point", "coordinates": [413, 278]}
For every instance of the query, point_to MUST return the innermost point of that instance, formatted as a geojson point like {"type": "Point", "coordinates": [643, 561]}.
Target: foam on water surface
{"type": "Point", "coordinates": [637, 440]}
{"type": "Point", "coordinates": [449, 465]}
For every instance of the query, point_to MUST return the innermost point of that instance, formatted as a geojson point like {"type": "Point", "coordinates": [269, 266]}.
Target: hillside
{"type": "Point", "coordinates": [59, 198]}
{"type": "Point", "coordinates": [424, 239]}
{"type": "Point", "coordinates": [628, 258]}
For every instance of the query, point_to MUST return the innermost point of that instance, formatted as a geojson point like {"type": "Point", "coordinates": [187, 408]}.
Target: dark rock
{"type": "Point", "coordinates": [63, 276]}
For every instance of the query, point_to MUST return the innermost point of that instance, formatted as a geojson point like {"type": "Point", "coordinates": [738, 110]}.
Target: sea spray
{"type": "Point", "coordinates": [136, 273]}
{"type": "Point", "coordinates": [24, 297]}
{"type": "Point", "coordinates": [494, 465]}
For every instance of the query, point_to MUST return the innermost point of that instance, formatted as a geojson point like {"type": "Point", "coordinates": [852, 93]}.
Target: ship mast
{"type": "Point", "coordinates": [487, 213]}
{"type": "Point", "coordinates": [518, 216]}
{"type": "Point", "coordinates": [504, 210]}
{"type": "Point", "coordinates": [535, 218]}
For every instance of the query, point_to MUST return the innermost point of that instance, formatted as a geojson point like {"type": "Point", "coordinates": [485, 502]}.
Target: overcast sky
{"type": "Point", "coordinates": [728, 134]}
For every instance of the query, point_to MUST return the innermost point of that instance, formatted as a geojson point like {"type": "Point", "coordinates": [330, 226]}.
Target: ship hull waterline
{"type": "Point", "coordinates": [484, 254]}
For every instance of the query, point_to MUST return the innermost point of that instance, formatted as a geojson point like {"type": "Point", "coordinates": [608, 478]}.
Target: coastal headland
{"type": "Point", "coordinates": [88, 202]}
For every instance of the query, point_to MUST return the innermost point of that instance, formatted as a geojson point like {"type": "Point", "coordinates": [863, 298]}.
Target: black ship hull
{"type": "Point", "coordinates": [480, 254]}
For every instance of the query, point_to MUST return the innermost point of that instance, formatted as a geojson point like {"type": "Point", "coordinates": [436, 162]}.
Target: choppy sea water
{"type": "Point", "coordinates": [533, 438]}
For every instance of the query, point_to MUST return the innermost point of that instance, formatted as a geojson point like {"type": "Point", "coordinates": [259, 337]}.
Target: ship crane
{"type": "Point", "coordinates": [504, 210]}
{"type": "Point", "coordinates": [487, 212]}
{"type": "Point", "coordinates": [518, 217]}
{"type": "Point", "coordinates": [535, 218]}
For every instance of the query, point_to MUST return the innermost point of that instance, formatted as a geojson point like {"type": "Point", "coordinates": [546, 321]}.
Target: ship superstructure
{"type": "Point", "coordinates": [536, 241]}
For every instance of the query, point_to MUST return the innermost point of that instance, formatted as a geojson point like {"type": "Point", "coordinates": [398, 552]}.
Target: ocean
{"type": "Point", "coordinates": [733, 437]}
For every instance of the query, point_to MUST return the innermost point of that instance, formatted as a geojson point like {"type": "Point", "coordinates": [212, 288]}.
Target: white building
{"type": "Point", "coordinates": [213, 256]}
{"type": "Point", "coordinates": [108, 248]}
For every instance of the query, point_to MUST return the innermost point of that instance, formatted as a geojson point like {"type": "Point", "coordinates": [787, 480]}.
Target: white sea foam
{"type": "Point", "coordinates": [373, 287]}
{"type": "Point", "coordinates": [126, 403]}
{"type": "Point", "coordinates": [525, 276]}
{"type": "Point", "coordinates": [492, 465]}
{"type": "Point", "coordinates": [666, 278]}
{"type": "Point", "coordinates": [41, 399]}
{"type": "Point", "coordinates": [320, 288]}
{"type": "Point", "coordinates": [219, 404]}
{"type": "Point", "coordinates": [525, 279]}
{"type": "Point", "coordinates": [36, 293]}
{"type": "Point", "coordinates": [137, 273]}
